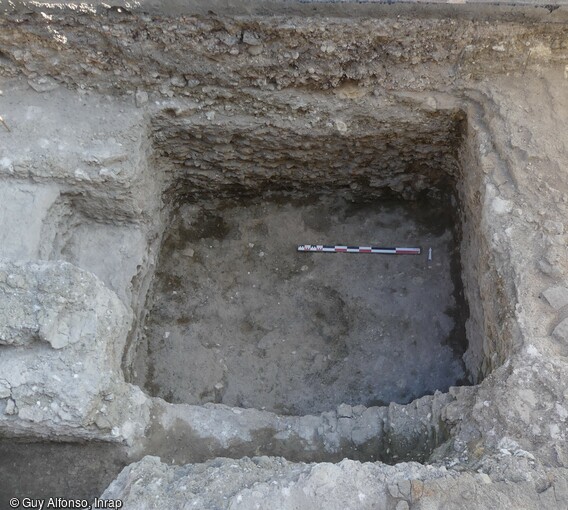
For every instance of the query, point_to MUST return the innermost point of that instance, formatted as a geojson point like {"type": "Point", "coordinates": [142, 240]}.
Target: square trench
{"type": "Point", "coordinates": [238, 316]}
{"type": "Point", "coordinates": [312, 356]}
{"type": "Point", "coordinates": [255, 348]}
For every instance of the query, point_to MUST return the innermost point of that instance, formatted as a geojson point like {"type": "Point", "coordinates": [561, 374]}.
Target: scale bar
{"type": "Point", "coordinates": [327, 248]}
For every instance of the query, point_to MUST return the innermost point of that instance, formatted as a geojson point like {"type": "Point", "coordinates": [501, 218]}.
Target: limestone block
{"type": "Point", "coordinates": [24, 206]}
{"type": "Point", "coordinates": [560, 332]}
{"type": "Point", "coordinates": [556, 296]}
{"type": "Point", "coordinates": [73, 329]}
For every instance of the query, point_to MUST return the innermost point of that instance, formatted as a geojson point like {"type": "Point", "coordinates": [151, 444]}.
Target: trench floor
{"type": "Point", "coordinates": [238, 316]}
{"type": "Point", "coordinates": [50, 470]}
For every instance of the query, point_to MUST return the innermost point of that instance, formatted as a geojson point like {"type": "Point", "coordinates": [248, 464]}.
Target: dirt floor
{"type": "Point", "coordinates": [45, 470]}
{"type": "Point", "coordinates": [240, 317]}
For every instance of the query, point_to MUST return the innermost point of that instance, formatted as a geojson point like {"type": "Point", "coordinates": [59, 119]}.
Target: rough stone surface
{"type": "Point", "coordinates": [560, 332]}
{"type": "Point", "coordinates": [557, 296]}
{"type": "Point", "coordinates": [61, 341]}
{"type": "Point", "coordinates": [264, 482]}
{"type": "Point", "coordinates": [182, 433]}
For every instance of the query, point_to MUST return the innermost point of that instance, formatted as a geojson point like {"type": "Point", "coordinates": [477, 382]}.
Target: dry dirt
{"type": "Point", "coordinates": [44, 470]}
{"type": "Point", "coordinates": [240, 317]}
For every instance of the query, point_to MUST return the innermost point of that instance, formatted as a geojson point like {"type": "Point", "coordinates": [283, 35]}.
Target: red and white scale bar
{"type": "Point", "coordinates": [358, 249]}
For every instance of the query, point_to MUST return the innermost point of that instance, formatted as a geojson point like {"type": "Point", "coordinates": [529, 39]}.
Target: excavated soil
{"type": "Point", "coordinates": [239, 317]}
{"type": "Point", "coordinates": [46, 470]}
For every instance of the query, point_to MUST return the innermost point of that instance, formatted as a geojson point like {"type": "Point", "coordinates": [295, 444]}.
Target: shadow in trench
{"type": "Point", "coordinates": [64, 470]}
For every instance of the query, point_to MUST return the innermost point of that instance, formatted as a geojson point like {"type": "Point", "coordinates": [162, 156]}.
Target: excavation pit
{"type": "Point", "coordinates": [237, 316]}
{"type": "Point", "coordinates": [166, 107]}
{"type": "Point", "coordinates": [253, 347]}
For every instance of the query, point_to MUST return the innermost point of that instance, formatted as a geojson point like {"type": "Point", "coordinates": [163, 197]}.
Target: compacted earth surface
{"type": "Point", "coordinates": [238, 316]}
{"type": "Point", "coordinates": [49, 470]}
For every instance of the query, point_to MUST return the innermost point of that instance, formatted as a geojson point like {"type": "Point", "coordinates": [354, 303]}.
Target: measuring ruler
{"type": "Point", "coordinates": [325, 248]}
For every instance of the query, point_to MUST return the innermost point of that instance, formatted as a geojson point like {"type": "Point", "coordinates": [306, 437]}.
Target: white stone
{"type": "Point", "coordinates": [11, 407]}
{"type": "Point", "coordinates": [500, 206]}
{"type": "Point", "coordinates": [178, 81]}
{"type": "Point", "coordinates": [255, 50]}
{"type": "Point", "coordinates": [553, 227]}
{"type": "Point", "coordinates": [6, 164]}
{"type": "Point", "coordinates": [43, 84]}
{"type": "Point", "coordinates": [341, 126]}
{"type": "Point", "coordinates": [72, 335]}
{"type": "Point", "coordinates": [431, 102]}
{"type": "Point", "coordinates": [141, 98]}
{"type": "Point", "coordinates": [560, 332]}
{"type": "Point", "coordinates": [81, 175]}
{"type": "Point", "coordinates": [556, 296]}
{"type": "Point", "coordinates": [484, 478]}
{"type": "Point", "coordinates": [562, 412]}
{"type": "Point", "coordinates": [328, 47]}
{"type": "Point", "coordinates": [5, 390]}
{"type": "Point", "coordinates": [192, 83]}
{"type": "Point", "coordinates": [532, 350]}
{"type": "Point", "coordinates": [251, 38]}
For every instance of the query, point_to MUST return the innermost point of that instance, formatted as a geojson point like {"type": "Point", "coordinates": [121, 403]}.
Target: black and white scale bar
{"type": "Point", "coordinates": [358, 249]}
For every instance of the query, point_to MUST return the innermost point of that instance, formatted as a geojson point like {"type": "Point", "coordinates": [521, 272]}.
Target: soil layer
{"type": "Point", "coordinates": [239, 317]}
